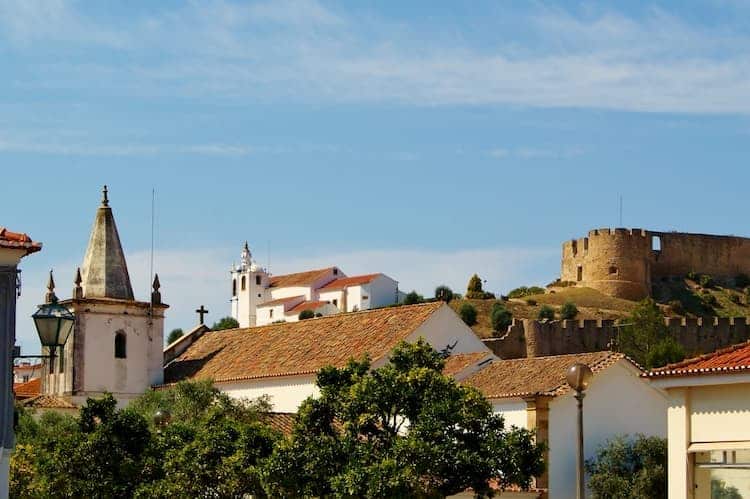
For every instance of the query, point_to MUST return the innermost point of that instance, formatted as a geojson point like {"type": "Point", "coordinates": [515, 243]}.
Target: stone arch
{"type": "Point", "coordinates": [121, 345]}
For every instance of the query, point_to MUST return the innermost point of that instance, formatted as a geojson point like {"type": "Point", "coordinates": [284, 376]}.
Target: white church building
{"type": "Point", "coordinates": [259, 298]}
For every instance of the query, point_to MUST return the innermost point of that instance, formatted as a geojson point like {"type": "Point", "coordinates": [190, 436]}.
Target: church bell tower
{"type": "Point", "coordinates": [250, 283]}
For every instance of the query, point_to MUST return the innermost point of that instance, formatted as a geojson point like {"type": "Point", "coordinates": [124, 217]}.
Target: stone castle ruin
{"type": "Point", "coordinates": [625, 262]}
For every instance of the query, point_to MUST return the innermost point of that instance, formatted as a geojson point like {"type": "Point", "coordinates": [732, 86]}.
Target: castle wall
{"type": "Point", "coordinates": [719, 256]}
{"type": "Point", "coordinates": [532, 338]}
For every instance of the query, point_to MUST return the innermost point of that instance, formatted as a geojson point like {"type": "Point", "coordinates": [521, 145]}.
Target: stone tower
{"type": "Point", "coordinates": [250, 283]}
{"type": "Point", "coordinates": [117, 341]}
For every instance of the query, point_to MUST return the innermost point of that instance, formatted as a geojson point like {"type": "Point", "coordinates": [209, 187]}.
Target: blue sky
{"type": "Point", "coordinates": [427, 140]}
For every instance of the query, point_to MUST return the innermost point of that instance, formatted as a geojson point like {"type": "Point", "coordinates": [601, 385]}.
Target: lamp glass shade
{"type": "Point", "coordinates": [53, 324]}
{"type": "Point", "coordinates": [579, 376]}
{"type": "Point", "coordinates": [162, 418]}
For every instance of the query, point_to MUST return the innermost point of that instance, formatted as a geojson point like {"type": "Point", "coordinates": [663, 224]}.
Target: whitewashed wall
{"type": "Point", "coordinates": [285, 393]}
{"type": "Point", "coordinates": [513, 410]}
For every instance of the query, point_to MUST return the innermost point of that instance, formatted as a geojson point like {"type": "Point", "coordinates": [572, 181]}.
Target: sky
{"type": "Point", "coordinates": [426, 140]}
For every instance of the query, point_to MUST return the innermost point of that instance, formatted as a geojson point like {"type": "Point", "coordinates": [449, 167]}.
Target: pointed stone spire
{"type": "Point", "coordinates": [246, 257]}
{"type": "Point", "coordinates": [104, 271]}
{"type": "Point", "coordinates": [77, 289]}
{"type": "Point", "coordinates": [155, 294]}
{"type": "Point", "coordinates": [49, 296]}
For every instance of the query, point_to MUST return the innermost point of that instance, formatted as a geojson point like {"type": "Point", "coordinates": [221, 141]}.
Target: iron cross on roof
{"type": "Point", "coordinates": [201, 312]}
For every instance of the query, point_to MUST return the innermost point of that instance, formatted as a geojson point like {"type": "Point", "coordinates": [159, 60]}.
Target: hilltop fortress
{"type": "Point", "coordinates": [624, 262]}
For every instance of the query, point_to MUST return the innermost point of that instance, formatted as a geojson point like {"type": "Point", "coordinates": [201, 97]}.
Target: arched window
{"type": "Point", "coordinates": [234, 287]}
{"type": "Point", "coordinates": [120, 345]}
{"type": "Point", "coordinates": [257, 280]}
{"type": "Point", "coordinates": [244, 283]}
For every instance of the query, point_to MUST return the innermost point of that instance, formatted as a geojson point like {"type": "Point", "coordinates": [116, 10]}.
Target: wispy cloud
{"type": "Point", "coordinates": [80, 149]}
{"type": "Point", "coordinates": [536, 153]}
{"type": "Point", "coordinates": [304, 50]}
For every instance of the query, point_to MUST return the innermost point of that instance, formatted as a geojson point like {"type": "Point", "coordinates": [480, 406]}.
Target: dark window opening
{"type": "Point", "coordinates": [655, 243]}
{"type": "Point", "coordinates": [234, 287]}
{"type": "Point", "coordinates": [257, 280]}
{"type": "Point", "coordinates": [270, 313]}
{"type": "Point", "coordinates": [336, 302]}
{"type": "Point", "coordinates": [574, 245]}
{"type": "Point", "coordinates": [612, 270]}
{"type": "Point", "coordinates": [243, 284]}
{"type": "Point", "coordinates": [258, 295]}
{"type": "Point", "coordinates": [579, 277]}
{"type": "Point", "coordinates": [120, 345]}
{"type": "Point", "coordinates": [335, 271]}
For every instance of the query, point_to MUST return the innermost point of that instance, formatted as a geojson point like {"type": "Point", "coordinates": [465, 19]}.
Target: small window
{"type": "Point", "coordinates": [120, 345]}
{"type": "Point", "coordinates": [234, 287]}
{"type": "Point", "coordinates": [655, 243]}
{"type": "Point", "coordinates": [270, 313]}
{"type": "Point", "coordinates": [243, 284]}
{"type": "Point", "coordinates": [335, 271]}
{"type": "Point", "coordinates": [579, 277]}
{"type": "Point", "coordinates": [257, 280]}
{"type": "Point", "coordinates": [365, 297]}
{"type": "Point", "coordinates": [335, 302]}
{"type": "Point", "coordinates": [25, 378]}
{"type": "Point", "coordinates": [258, 295]}
{"type": "Point", "coordinates": [612, 270]}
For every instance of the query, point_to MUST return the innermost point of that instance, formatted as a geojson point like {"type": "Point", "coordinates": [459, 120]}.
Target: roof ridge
{"type": "Point", "coordinates": [705, 356]}
{"type": "Point", "coordinates": [598, 366]}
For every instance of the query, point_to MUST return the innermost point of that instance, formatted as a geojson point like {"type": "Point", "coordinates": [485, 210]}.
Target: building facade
{"type": "Point", "coordinates": [259, 298]}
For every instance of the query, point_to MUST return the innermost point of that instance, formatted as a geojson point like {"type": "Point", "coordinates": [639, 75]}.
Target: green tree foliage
{"type": "Point", "coordinates": [403, 430]}
{"type": "Point", "coordinates": [568, 310]}
{"type": "Point", "coordinates": [629, 468]}
{"type": "Point", "coordinates": [225, 323]}
{"type": "Point", "coordinates": [646, 339]}
{"type": "Point", "coordinates": [474, 290]}
{"type": "Point", "coordinates": [306, 314]}
{"type": "Point", "coordinates": [211, 448]}
{"type": "Point", "coordinates": [741, 280]}
{"type": "Point", "coordinates": [468, 314]}
{"type": "Point", "coordinates": [500, 317]}
{"type": "Point", "coordinates": [412, 298]}
{"type": "Point", "coordinates": [706, 281]}
{"type": "Point", "coordinates": [174, 335]}
{"type": "Point", "coordinates": [546, 313]}
{"type": "Point", "coordinates": [444, 293]}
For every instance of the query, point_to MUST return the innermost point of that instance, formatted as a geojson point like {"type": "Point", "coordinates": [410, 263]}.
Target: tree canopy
{"type": "Point", "coordinates": [402, 430]}
{"type": "Point", "coordinates": [646, 339]}
{"type": "Point", "coordinates": [174, 335]}
{"type": "Point", "coordinates": [225, 323]}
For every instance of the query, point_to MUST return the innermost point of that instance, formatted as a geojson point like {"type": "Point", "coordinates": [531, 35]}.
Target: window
{"type": "Point", "coordinates": [612, 270]}
{"type": "Point", "coordinates": [25, 378]}
{"type": "Point", "coordinates": [258, 295]}
{"type": "Point", "coordinates": [120, 345]}
{"type": "Point", "coordinates": [655, 243]}
{"type": "Point", "coordinates": [243, 284]}
{"type": "Point", "coordinates": [365, 297]}
{"type": "Point", "coordinates": [234, 287]}
{"type": "Point", "coordinates": [579, 277]}
{"type": "Point", "coordinates": [335, 302]}
{"type": "Point", "coordinates": [257, 280]}
{"type": "Point", "coordinates": [335, 271]}
{"type": "Point", "coordinates": [722, 473]}
{"type": "Point", "coordinates": [270, 313]}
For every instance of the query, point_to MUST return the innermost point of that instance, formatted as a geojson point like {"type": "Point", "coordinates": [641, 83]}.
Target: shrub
{"type": "Point", "coordinates": [709, 299]}
{"type": "Point", "coordinates": [306, 314]}
{"type": "Point", "coordinates": [500, 317]}
{"type": "Point", "coordinates": [174, 335]}
{"type": "Point", "coordinates": [531, 302]}
{"type": "Point", "coordinates": [412, 298]}
{"type": "Point", "coordinates": [741, 280]}
{"type": "Point", "coordinates": [666, 351]}
{"type": "Point", "coordinates": [568, 310]}
{"type": "Point", "coordinates": [546, 312]}
{"type": "Point", "coordinates": [692, 276]}
{"type": "Point", "coordinates": [522, 291]}
{"type": "Point", "coordinates": [444, 293]}
{"type": "Point", "coordinates": [468, 314]}
{"type": "Point", "coordinates": [318, 314]}
{"type": "Point", "coordinates": [474, 289]}
{"type": "Point", "coordinates": [225, 323]}
{"type": "Point", "coordinates": [677, 307]}
{"type": "Point", "coordinates": [627, 468]}
{"type": "Point", "coordinates": [706, 281]}
{"type": "Point", "coordinates": [735, 298]}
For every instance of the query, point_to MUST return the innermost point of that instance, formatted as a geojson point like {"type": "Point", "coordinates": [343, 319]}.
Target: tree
{"type": "Point", "coordinates": [546, 313]}
{"type": "Point", "coordinates": [402, 430]}
{"type": "Point", "coordinates": [646, 339]}
{"type": "Point", "coordinates": [500, 317]}
{"type": "Point", "coordinates": [474, 289]}
{"type": "Point", "coordinates": [568, 310]}
{"type": "Point", "coordinates": [444, 293]}
{"type": "Point", "coordinates": [626, 468]}
{"type": "Point", "coordinates": [468, 314]}
{"type": "Point", "coordinates": [225, 323]}
{"type": "Point", "coordinates": [306, 314]}
{"type": "Point", "coordinates": [412, 298]}
{"type": "Point", "coordinates": [174, 335]}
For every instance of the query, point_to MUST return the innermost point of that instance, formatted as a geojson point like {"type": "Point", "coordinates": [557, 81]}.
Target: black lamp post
{"type": "Point", "coordinates": [162, 417]}
{"type": "Point", "coordinates": [54, 324]}
{"type": "Point", "coordinates": [578, 377]}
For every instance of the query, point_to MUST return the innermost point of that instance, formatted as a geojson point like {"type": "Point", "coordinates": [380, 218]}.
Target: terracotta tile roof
{"type": "Point", "coordinates": [31, 388]}
{"type": "Point", "coordinates": [456, 363]}
{"type": "Point", "coordinates": [536, 375]}
{"type": "Point", "coordinates": [282, 422]}
{"type": "Point", "coordinates": [306, 305]}
{"type": "Point", "coordinates": [280, 301]}
{"type": "Point", "coordinates": [726, 360]}
{"type": "Point", "coordinates": [299, 278]}
{"type": "Point", "coordinates": [48, 402]}
{"type": "Point", "coordinates": [18, 240]}
{"type": "Point", "coordinates": [349, 281]}
{"type": "Point", "coordinates": [296, 348]}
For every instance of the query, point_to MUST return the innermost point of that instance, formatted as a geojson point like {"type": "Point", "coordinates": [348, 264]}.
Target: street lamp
{"type": "Point", "coordinates": [578, 377]}
{"type": "Point", "coordinates": [162, 417]}
{"type": "Point", "coordinates": [53, 322]}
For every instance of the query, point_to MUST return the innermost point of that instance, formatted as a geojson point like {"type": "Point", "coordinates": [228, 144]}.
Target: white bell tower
{"type": "Point", "coordinates": [250, 287]}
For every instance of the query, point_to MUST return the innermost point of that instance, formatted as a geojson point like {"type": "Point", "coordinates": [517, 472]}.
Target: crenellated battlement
{"type": "Point", "coordinates": [532, 338]}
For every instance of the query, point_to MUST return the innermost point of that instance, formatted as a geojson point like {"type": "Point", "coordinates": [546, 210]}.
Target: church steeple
{"type": "Point", "coordinates": [104, 271]}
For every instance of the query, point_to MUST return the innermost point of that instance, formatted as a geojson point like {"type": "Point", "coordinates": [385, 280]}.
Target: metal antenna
{"type": "Point", "coordinates": [151, 261]}
{"type": "Point", "coordinates": [620, 211]}
{"type": "Point", "coordinates": [268, 256]}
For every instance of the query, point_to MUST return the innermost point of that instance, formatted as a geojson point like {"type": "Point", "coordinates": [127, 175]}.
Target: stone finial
{"type": "Point", "coordinates": [49, 296]}
{"type": "Point", "coordinates": [246, 257]}
{"type": "Point", "coordinates": [155, 294]}
{"type": "Point", "coordinates": [105, 199]}
{"type": "Point", "coordinates": [77, 289]}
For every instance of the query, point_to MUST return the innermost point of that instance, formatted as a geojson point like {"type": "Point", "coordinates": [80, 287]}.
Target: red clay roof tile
{"type": "Point", "coordinates": [31, 388]}
{"type": "Point", "coordinates": [299, 278]}
{"type": "Point", "coordinates": [280, 301]}
{"type": "Point", "coordinates": [306, 305]}
{"type": "Point", "coordinates": [456, 363]}
{"type": "Point", "coordinates": [731, 359]}
{"type": "Point", "coordinates": [349, 281]}
{"type": "Point", "coordinates": [18, 240]}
